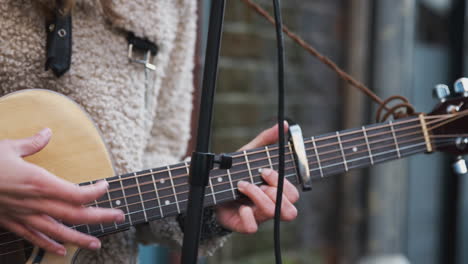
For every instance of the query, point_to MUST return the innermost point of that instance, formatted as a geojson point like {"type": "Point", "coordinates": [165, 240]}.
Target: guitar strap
{"type": "Point", "coordinates": [59, 41]}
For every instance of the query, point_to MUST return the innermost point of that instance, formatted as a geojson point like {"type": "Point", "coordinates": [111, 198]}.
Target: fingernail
{"type": "Point", "coordinates": [242, 184]}
{"type": "Point", "coordinates": [120, 216]}
{"type": "Point", "coordinates": [62, 252]}
{"type": "Point", "coordinates": [263, 187]}
{"type": "Point", "coordinates": [45, 132]}
{"type": "Point", "coordinates": [260, 170]}
{"type": "Point", "coordinates": [95, 245]}
{"type": "Point", "coordinates": [106, 183]}
{"type": "Point", "coordinates": [267, 172]}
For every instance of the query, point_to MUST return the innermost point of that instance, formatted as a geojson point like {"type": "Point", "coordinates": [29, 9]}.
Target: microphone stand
{"type": "Point", "coordinates": [202, 160]}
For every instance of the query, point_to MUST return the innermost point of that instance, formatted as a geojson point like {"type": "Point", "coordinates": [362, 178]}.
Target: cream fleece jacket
{"type": "Point", "coordinates": [112, 90]}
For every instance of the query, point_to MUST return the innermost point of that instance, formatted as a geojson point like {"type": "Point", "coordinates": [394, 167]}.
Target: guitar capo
{"type": "Point", "coordinates": [302, 163]}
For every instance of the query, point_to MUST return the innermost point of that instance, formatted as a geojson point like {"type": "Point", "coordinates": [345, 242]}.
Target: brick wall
{"type": "Point", "coordinates": [246, 104]}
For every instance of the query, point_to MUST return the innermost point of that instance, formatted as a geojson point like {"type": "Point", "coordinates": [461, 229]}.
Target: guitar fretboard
{"type": "Point", "coordinates": [157, 193]}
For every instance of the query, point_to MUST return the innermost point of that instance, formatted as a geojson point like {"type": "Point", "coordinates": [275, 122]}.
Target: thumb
{"type": "Point", "coordinates": [29, 146]}
{"type": "Point", "coordinates": [267, 137]}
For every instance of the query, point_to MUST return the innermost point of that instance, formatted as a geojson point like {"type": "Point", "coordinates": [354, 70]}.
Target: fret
{"type": "Point", "coordinates": [96, 204]}
{"type": "Point", "coordinates": [410, 137]}
{"type": "Point", "coordinates": [88, 229]}
{"type": "Point", "coordinates": [187, 168]}
{"type": "Point", "coordinates": [148, 197]}
{"type": "Point", "coordinates": [110, 206]}
{"type": "Point", "coordinates": [222, 187]}
{"type": "Point", "coordinates": [232, 185]}
{"type": "Point", "coordinates": [289, 168]}
{"type": "Point", "coordinates": [181, 184]}
{"type": "Point", "coordinates": [317, 157]}
{"type": "Point", "coordinates": [381, 142]}
{"type": "Point", "coordinates": [248, 167]}
{"type": "Point", "coordinates": [295, 179]}
{"type": "Point", "coordinates": [212, 190]}
{"type": "Point", "coordinates": [239, 170]}
{"type": "Point", "coordinates": [395, 139]}
{"type": "Point", "coordinates": [116, 199]}
{"type": "Point", "coordinates": [166, 191]}
{"type": "Point", "coordinates": [141, 197]}
{"type": "Point", "coordinates": [368, 146]}
{"type": "Point", "coordinates": [132, 198]}
{"type": "Point", "coordinates": [291, 152]}
{"type": "Point", "coordinates": [157, 195]}
{"type": "Point", "coordinates": [173, 188]}
{"type": "Point", "coordinates": [92, 229]}
{"type": "Point", "coordinates": [185, 182]}
{"type": "Point", "coordinates": [354, 148]}
{"type": "Point", "coordinates": [269, 157]}
{"type": "Point", "coordinates": [126, 204]}
{"type": "Point", "coordinates": [257, 160]}
{"type": "Point", "coordinates": [185, 185]}
{"type": "Point", "coordinates": [331, 160]}
{"type": "Point", "coordinates": [342, 151]}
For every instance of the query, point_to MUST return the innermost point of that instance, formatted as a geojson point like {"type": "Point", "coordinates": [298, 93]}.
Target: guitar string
{"type": "Point", "coordinates": [222, 200]}
{"type": "Point", "coordinates": [243, 171]}
{"type": "Point", "coordinates": [185, 175]}
{"type": "Point", "coordinates": [216, 185]}
{"type": "Point", "coordinates": [308, 141]}
{"type": "Point", "coordinates": [322, 146]}
{"type": "Point", "coordinates": [163, 197]}
{"type": "Point", "coordinates": [224, 183]}
{"type": "Point", "coordinates": [246, 178]}
{"type": "Point", "coordinates": [349, 133]}
{"type": "Point", "coordinates": [325, 138]}
{"type": "Point", "coordinates": [378, 127]}
{"type": "Point", "coordinates": [225, 175]}
{"type": "Point", "coordinates": [214, 177]}
{"type": "Point", "coordinates": [251, 161]}
{"type": "Point", "coordinates": [419, 144]}
{"type": "Point", "coordinates": [263, 151]}
{"type": "Point", "coordinates": [264, 159]}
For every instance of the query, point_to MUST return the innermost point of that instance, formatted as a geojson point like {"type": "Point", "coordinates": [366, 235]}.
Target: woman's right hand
{"type": "Point", "coordinates": [32, 200]}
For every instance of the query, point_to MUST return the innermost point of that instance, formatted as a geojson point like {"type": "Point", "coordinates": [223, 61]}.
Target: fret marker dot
{"type": "Point", "coordinates": [167, 202]}
{"type": "Point", "coordinates": [162, 181]}
{"type": "Point", "coordinates": [220, 179]}
{"type": "Point", "coordinates": [117, 202]}
{"type": "Point", "coordinates": [354, 149]}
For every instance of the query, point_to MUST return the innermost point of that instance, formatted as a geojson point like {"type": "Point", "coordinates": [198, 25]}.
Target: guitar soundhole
{"type": "Point", "coordinates": [13, 248]}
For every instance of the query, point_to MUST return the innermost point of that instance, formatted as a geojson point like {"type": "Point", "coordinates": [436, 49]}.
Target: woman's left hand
{"type": "Point", "coordinates": [244, 217]}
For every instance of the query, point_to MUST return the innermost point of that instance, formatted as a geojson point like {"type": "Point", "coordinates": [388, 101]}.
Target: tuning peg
{"type": "Point", "coordinates": [459, 166]}
{"type": "Point", "coordinates": [441, 92]}
{"type": "Point", "coordinates": [461, 87]}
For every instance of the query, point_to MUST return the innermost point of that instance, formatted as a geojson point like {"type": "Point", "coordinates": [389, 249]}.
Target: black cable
{"type": "Point", "coordinates": [279, 194]}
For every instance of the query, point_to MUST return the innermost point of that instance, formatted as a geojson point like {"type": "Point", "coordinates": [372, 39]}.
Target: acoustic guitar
{"type": "Point", "coordinates": [77, 153]}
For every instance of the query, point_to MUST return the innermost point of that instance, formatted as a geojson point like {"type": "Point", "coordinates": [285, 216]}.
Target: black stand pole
{"type": "Point", "coordinates": [202, 160]}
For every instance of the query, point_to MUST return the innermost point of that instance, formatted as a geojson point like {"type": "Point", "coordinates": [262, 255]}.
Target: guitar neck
{"type": "Point", "coordinates": [157, 193]}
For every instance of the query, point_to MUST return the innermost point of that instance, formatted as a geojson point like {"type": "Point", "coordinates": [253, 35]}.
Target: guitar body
{"type": "Point", "coordinates": [76, 151]}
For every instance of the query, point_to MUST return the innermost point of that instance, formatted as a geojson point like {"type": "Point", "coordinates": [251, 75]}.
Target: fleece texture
{"type": "Point", "coordinates": [139, 133]}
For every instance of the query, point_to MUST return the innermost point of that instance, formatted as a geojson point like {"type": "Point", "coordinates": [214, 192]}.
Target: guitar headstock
{"type": "Point", "coordinates": [448, 122]}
